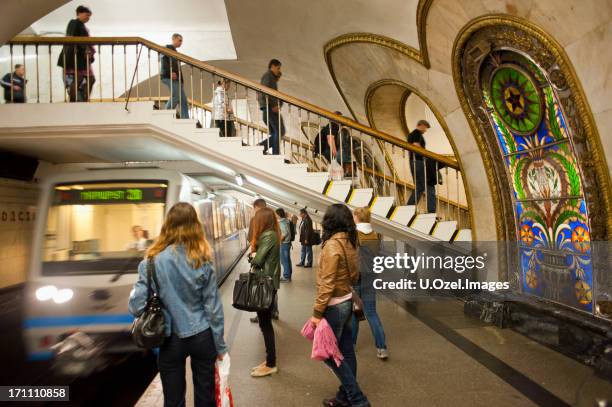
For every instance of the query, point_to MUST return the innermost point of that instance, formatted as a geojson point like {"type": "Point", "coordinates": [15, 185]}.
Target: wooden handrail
{"type": "Point", "coordinates": [290, 140]}
{"type": "Point", "coordinates": [376, 134]}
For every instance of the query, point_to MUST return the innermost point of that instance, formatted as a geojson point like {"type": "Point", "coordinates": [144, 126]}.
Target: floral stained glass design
{"type": "Point", "coordinates": [550, 209]}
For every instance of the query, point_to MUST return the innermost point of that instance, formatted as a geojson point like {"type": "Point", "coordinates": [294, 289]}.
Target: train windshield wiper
{"type": "Point", "coordinates": [126, 266]}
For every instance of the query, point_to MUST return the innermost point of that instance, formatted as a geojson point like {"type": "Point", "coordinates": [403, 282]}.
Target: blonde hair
{"type": "Point", "coordinates": [182, 226]}
{"type": "Point", "coordinates": [362, 214]}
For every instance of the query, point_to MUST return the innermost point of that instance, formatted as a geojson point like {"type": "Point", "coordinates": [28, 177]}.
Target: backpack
{"type": "Point", "coordinates": [292, 230]}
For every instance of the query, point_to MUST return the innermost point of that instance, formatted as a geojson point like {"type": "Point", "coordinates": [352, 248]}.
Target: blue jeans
{"type": "Point", "coordinates": [285, 258]}
{"type": "Point", "coordinates": [340, 318]}
{"type": "Point", "coordinates": [306, 258]}
{"type": "Point", "coordinates": [272, 120]}
{"type": "Point", "coordinates": [174, 101]}
{"type": "Point", "coordinates": [417, 168]}
{"type": "Point", "coordinates": [369, 309]}
{"type": "Point", "coordinates": [171, 360]}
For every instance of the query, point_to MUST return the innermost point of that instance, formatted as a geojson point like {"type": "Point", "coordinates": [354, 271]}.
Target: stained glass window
{"type": "Point", "coordinates": [551, 216]}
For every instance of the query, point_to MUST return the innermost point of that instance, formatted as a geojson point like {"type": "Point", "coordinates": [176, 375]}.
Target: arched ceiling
{"type": "Point", "coordinates": [296, 32]}
{"type": "Point", "coordinates": [386, 109]}
{"type": "Point", "coordinates": [17, 15]}
{"type": "Point", "coordinates": [204, 25]}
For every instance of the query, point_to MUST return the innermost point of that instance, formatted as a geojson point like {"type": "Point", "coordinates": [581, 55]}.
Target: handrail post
{"type": "Point", "coordinates": [132, 82]}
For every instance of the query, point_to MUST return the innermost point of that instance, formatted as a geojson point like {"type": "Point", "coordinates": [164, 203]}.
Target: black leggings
{"type": "Point", "coordinates": [265, 323]}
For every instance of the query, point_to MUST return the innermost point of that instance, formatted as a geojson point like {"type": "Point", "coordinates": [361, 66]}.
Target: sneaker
{"type": "Point", "coordinates": [262, 364]}
{"type": "Point", "coordinates": [275, 316]}
{"type": "Point", "coordinates": [264, 371]}
{"type": "Point", "coordinates": [382, 353]}
{"type": "Point", "coordinates": [285, 280]}
{"type": "Point", "coordinates": [308, 266]}
{"type": "Point", "coordinates": [254, 320]}
{"type": "Point", "coordinates": [300, 264]}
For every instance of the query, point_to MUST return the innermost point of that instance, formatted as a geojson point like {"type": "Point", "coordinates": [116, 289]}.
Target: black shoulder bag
{"type": "Point", "coordinates": [253, 291]}
{"type": "Point", "coordinates": [148, 330]}
{"type": "Point", "coordinates": [357, 301]}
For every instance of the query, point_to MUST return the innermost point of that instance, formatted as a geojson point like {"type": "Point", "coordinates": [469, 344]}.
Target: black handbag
{"type": "Point", "coordinates": [253, 292]}
{"type": "Point", "coordinates": [357, 301]}
{"type": "Point", "coordinates": [148, 330]}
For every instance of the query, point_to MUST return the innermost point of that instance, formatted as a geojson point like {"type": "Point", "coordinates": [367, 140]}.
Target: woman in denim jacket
{"type": "Point", "coordinates": [191, 305]}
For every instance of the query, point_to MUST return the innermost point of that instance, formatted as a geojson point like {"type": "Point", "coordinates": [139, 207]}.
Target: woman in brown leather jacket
{"type": "Point", "coordinates": [338, 271]}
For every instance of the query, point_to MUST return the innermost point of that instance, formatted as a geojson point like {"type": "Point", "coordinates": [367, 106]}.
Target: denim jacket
{"type": "Point", "coordinates": [190, 298]}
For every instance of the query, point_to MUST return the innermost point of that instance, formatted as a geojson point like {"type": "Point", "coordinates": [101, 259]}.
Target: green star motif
{"type": "Point", "coordinates": [516, 99]}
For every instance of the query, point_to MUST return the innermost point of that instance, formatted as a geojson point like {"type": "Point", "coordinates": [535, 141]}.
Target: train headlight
{"type": "Point", "coordinates": [63, 295]}
{"type": "Point", "coordinates": [46, 292]}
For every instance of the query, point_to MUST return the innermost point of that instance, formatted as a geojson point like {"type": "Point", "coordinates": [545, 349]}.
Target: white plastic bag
{"type": "Point", "coordinates": [222, 389]}
{"type": "Point", "coordinates": [335, 171]}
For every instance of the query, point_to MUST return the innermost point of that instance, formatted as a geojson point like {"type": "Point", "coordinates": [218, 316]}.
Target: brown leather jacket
{"type": "Point", "coordinates": [337, 272]}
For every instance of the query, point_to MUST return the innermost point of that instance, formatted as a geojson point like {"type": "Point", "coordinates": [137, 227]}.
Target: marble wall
{"type": "Point", "coordinates": [582, 28]}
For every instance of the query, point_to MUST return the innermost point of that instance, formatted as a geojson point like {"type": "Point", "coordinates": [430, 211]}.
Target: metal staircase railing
{"type": "Point", "coordinates": [114, 62]}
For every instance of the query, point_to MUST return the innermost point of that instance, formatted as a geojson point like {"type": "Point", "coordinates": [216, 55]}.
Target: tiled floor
{"type": "Point", "coordinates": [480, 366]}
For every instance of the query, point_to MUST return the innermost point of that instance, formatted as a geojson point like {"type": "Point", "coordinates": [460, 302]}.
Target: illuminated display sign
{"type": "Point", "coordinates": [109, 195]}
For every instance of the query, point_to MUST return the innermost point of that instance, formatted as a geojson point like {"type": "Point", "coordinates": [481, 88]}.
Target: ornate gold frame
{"type": "Point", "coordinates": [582, 108]}
{"type": "Point", "coordinates": [439, 117]}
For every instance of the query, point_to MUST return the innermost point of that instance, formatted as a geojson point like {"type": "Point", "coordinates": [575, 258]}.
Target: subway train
{"type": "Point", "coordinates": [91, 233]}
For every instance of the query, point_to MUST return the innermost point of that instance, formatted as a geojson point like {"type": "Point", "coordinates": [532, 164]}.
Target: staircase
{"type": "Point", "coordinates": [204, 146]}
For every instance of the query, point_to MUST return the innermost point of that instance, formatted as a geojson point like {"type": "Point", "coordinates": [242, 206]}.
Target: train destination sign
{"type": "Point", "coordinates": [109, 195]}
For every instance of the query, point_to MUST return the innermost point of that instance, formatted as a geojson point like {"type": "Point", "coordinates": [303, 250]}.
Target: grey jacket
{"type": "Point", "coordinates": [270, 80]}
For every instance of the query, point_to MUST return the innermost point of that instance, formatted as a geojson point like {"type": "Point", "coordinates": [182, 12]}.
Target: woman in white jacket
{"type": "Point", "coordinates": [223, 115]}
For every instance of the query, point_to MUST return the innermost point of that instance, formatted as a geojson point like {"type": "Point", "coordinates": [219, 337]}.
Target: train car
{"type": "Point", "coordinates": [91, 233]}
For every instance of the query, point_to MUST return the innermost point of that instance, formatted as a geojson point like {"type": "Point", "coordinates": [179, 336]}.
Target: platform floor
{"type": "Point", "coordinates": [438, 357]}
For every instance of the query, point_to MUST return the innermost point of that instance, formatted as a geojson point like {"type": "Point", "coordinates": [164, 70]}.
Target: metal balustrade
{"type": "Point", "coordinates": [127, 69]}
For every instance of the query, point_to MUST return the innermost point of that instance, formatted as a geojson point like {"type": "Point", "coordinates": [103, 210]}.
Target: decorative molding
{"type": "Point", "coordinates": [365, 38]}
{"type": "Point", "coordinates": [409, 90]}
{"type": "Point", "coordinates": [528, 38]}
{"type": "Point", "coordinates": [421, 21]}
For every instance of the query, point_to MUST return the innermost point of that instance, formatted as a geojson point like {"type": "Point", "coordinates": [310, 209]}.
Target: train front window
{"type": "Point", "coordinates": [101, 228]}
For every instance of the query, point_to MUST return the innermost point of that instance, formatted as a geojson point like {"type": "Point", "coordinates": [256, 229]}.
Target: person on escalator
{"type": "Point", "coordinates": [271, 108]}
{"type": "Point", "coordinates": [77, 60]}
{"type": "Point", "coordinates": [223, 114]}
{"type": "Point", "coordinates": [424, 172]}
{"type": "Point", "coordinates": [334, 143]}
{"type": "Point", "coordinates": [172, 78]}
{"type": "Point", "coordinates": [14, 85]}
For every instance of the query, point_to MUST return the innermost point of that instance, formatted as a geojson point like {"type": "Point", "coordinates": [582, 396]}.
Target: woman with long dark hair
{"type": "Point", "coordinates": [338, 271]}
{"type": "Point", "coordinates": [265, 244]}
{"type": "Point", "coordinates": [191, 306]}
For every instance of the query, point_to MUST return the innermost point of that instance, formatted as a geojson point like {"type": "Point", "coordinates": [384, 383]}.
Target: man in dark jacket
{"type": "Point", "coordinates": [172, 78]}
{"type": "Point", "coordinates": [270, 108]}
{"type": "Point", "coordinates": [425, 175]}
{"type": "Point", "coordinates": [306, 239]}
{"type": "Point", "coordinates": [76, 60]}
{"type": "Point", "coordinates": [14, 85]}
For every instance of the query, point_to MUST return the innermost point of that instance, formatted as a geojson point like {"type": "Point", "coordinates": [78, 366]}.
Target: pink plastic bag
{"type": "Point", "coordinates": [324, 342]}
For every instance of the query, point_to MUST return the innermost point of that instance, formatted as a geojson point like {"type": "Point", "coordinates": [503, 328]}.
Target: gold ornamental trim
{"type": "Point", "coordinates": [584, 112]}
{"type": "Point", "coordinates": [439, 117]}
